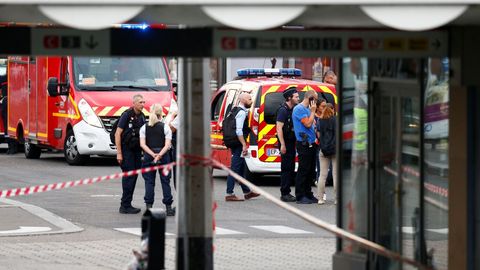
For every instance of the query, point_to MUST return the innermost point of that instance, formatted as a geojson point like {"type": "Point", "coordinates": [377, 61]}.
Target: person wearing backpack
{"type": "Point", "coordinates": [327, 135]}
{"type": "Point", "coordinates": [286, 141]}
{"type": "Point", "coordinates": [156, 140]}
{"type": "Point", "coordinates": [235, 133]}
{"type": "Point", "coordinates": [129, 153]}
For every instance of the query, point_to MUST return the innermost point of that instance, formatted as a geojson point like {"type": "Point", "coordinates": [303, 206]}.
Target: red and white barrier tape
{"type": "Point", "coordinates": [166, 168]}
{"type": "Point", "coordinates": [204, 161]}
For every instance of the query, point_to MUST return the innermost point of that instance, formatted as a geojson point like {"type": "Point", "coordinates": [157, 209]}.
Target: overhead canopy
{"type": "Point", "coordinates": [319, 13]}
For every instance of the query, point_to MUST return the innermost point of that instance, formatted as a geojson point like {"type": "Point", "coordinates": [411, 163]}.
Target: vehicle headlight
{"type": "Point", "coordinates": [88, 114]}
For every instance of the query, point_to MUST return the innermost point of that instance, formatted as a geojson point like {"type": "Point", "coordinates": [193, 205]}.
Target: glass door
{"type": "Point", "coordinates": [396, 177]}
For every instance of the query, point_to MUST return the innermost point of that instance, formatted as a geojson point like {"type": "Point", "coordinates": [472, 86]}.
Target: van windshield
{"type": "Point", "coordinates": [120, 74]}
{"type": "Point", "coordinates": [274, 100]}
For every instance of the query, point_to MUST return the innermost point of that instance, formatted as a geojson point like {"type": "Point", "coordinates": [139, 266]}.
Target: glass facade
{"type": "Point", "coordinates": [394, 157]}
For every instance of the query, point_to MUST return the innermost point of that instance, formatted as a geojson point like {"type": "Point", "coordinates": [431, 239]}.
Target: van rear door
{"type": "Point", "coordinates": [270, 101]}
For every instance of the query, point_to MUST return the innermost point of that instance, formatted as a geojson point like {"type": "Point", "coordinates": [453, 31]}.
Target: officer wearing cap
{"type": "Point", "coordinates": [286, 141]}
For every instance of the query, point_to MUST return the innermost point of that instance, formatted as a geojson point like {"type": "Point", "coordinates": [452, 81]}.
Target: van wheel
{"type": "Point", "coordinates": [32, 151]}
{"type": "Point", "coordinates": [70, 151]}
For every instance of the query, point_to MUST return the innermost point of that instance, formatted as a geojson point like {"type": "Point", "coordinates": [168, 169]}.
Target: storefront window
{"type": "Point", "coordinates": [354, 181]}
{"type": "Point", "coordinates": [436, 159]}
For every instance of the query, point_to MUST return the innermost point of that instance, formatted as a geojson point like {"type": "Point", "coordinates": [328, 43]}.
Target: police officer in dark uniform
{"type": "Point", "coordinates": [129, 153]}
{"type": "Point", "coordinates": [156, 140]}
{"type": "Point", "coordinates": [286, 142]}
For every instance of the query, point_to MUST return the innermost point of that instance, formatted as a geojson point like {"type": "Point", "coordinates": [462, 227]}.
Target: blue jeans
{"type": "Point", "coordinates": [238, 166]}
{"type": "Point", "coordinates": [149, 178]}
{"type": "Point", "coordinates": [132, 160]}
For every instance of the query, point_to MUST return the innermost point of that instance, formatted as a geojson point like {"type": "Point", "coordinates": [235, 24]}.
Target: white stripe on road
{"type": "Point", "coordinates": [411, 230]}
{"type": "Point", "coordinates": [222, 231]}
{"type": "Point", "coordinates": [134, 231]}
{"type": "Point", "coordinates": [441, 230]}
{"type": "Point", "coordinates": [281, 229]}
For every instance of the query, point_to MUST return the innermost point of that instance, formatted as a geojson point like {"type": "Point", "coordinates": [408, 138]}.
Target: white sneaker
{"type": "Point", "coordinates": [324, 196]}
{"type": "Point", "coordinates": [321, 202]}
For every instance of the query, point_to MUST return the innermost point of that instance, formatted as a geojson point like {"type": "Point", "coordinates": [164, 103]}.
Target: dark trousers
{"type": "Point", "coordinates": [238, 166]}
{"type": "Point", "coordinates": [306, 170]}
{"type": "Point", "coordinates": [287, 175]}
{"type": "Point", "coordinates": [149, 178]}
{"type": "Point", "coordinates": [132, 160]}
{"type": "Point", "coordinates": [173, 158]}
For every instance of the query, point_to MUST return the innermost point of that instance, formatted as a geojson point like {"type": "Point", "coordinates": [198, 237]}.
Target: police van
{"type": "Point", "coordinates": [266, 87]}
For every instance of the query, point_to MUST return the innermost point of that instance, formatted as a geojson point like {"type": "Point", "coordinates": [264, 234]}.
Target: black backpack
{"type": "Point", "coordinates": [229, 126]}
{"type": "Point", "coordinates": [288, 132]}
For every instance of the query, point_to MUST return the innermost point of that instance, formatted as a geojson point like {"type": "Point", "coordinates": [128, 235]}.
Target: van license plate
{"type": "Point", "coordinates": [273, 152]}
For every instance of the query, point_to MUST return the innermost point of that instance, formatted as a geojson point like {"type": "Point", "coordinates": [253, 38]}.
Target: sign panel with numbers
{"type": "Point", "coordinates": [335, 43]}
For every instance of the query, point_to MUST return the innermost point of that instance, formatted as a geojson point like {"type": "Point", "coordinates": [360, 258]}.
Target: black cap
{"type": "Point", "coordinates": [289, 92]}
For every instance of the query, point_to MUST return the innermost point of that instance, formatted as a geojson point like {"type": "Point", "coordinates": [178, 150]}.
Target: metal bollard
{"type": "Point", "coordinates": [153, 229]}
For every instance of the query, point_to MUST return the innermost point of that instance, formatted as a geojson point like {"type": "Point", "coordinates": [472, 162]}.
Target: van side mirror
{"type": "Point", "coordinates": [53, 87]}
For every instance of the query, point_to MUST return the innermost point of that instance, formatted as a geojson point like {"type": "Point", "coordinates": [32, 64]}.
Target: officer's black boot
{"type": "Point", "coordinates": [170, 211]}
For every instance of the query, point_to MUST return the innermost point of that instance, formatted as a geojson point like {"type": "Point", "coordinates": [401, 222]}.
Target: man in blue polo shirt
{"type": "Point", "coordinates": [303, 124]}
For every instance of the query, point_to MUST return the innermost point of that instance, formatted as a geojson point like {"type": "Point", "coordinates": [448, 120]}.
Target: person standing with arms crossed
{"type": "Point", "coordinates": [239, 149]}
{"type": "Point", "coordinates": [129, 153]}
{"type": "Point", "coordinates": [303, 122]}
{"type": "Point", "coordinates": [286, 139]}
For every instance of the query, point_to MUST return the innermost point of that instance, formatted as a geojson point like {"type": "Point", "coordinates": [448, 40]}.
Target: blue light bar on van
{"type": "Point", "coordinates": [132, 26]}
{"type": "Point", "coordinates": [253, 72]}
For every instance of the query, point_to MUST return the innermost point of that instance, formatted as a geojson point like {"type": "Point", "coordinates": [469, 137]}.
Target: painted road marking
{"type": "Point", "coordinates": [134, 231]}
{"type": "Point", "coordinates": [222, 231]}
{"type": "Point", "coordinates": [281, 229]}
{"type": "Point", "coordinates": [27, 229]}
{"type": "Point", "coordinates": [411, 230]}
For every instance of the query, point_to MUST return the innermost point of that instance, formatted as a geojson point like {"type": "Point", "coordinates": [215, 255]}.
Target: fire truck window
{"type": "Point", "coordinates": [272, 102]}
{"type": "Point", "coordinates": [217, 104]}
{"type": "Point", "coordinates": [120, 73]}
{"type": "Point", "coordinates": [229, 102]}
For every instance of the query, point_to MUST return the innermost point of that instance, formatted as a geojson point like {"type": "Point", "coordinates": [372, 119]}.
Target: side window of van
{"type": "Point", "coordinates": [216, 106]}
{"type": "Point", "coordinates": [231, 94]}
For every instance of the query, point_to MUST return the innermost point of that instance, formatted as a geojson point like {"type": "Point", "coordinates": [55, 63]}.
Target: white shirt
{"type": "Point", "coordinates": [166, 130]}
{"type": "Point", "coordinates": [240, 119]}
{"type": "Point", "coordinates": [175, 123]}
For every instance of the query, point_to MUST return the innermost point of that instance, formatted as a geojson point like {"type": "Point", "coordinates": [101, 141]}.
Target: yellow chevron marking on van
{"type": "Point", "coordinates": [272, 89]}
{"type": "Point", "coordinates": [261, 152]}
{"type": "Point", "coordinates": [216, 136]}
{"type": "Point", "coordinates": [265, 131]}
{"type": "Point", "coordinates": [105, 111]}
{"type": "Point", "coordinates": [66, 115]}
{"type": "Point", "coordinates": [327, 90]}
{"type": "Point", "coordinates": [271, 159]}
{"type": "Point", "coordinates": [272, 140]}
{"type": "Point", "coordinates": [43, 135]}
{"type": "Point", "coordinates": [120, 111]}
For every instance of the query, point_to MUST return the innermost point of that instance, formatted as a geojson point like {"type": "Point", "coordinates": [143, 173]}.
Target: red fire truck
{"type": "Point", "coordinates": [70, 103]}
